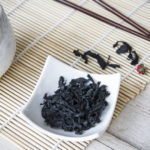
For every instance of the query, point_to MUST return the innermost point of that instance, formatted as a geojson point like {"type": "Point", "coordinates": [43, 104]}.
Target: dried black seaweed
{"type": "Point", "coordinates": [83, 56]}
{"type": "Point", "coordinates": [123, 48]}
{"type": "Point", "coordinates": [126, 48]}
{"type": "Point", "coordinates": [99, 59]}
{"type": "Point", "coordinates": [130, 56]}
{"type": "Point", "coordinates": [77, 106]}
{"type": "Point", "coordinates": [113, 65]}
{"type": "Point", "coordinates": [102, 63]}
{"type": "Point", "coordinates": [135, 58]}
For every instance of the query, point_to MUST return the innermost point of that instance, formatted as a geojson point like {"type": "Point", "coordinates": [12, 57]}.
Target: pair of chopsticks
{"type": "Point", "coordinates": [144, 35]}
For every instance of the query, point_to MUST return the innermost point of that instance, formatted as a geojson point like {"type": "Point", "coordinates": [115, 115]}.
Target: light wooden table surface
{"type": "Point", "coordinates": [130, 131]}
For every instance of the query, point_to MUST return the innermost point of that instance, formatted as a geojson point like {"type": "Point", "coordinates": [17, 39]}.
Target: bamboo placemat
{"type": "Point", "coordinates": [45, 27]}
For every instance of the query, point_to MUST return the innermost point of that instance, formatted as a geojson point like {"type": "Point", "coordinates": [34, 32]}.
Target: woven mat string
{"type": "Point", "coordinates": [16, 7]}
{"type": "Point", "coordinates": [57, 145]}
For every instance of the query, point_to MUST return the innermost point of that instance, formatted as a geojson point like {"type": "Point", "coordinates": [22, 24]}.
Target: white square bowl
{"type": "Point", "coordinates": [48, 83]}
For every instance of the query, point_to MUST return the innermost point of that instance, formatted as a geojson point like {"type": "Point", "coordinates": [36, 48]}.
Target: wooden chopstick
{"type": "Point", "coordinates": [122, 16]}
{"type": "Point", "coordinates": [103, 19]}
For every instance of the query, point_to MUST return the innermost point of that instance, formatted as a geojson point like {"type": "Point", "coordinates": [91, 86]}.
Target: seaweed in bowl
{"type": "Point", "coordinates": [76, 106]}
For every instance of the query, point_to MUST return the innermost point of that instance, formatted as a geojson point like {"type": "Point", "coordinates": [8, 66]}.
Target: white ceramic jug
{"type": "Point", "coordinates": [7, 43]}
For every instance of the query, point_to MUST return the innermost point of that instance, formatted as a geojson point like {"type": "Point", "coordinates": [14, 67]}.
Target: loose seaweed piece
{"type": "Point", "coordinates": [99, 59]}
{"type": "Point", "coordinates": [130, 56]}
{"type": "Point", "coordinates": [102, 63]}
{"type": "Point", "coordinates": [114, 65]}
{"type": "Point", "coordinates": [77, 106]}
{"type": "Point", "coordinates": [135, 58]}
{"type": "Point", "coordinates": [124, 48]}
{"type": "Point", "coordinates": [83, 56]}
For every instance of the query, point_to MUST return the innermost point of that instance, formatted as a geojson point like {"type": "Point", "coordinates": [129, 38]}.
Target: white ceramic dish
{"type": "Point", "coordinates": [48, 83]}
